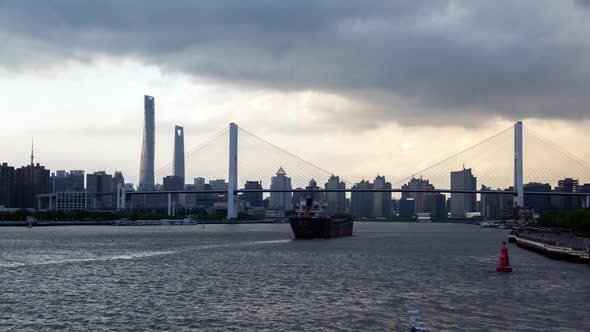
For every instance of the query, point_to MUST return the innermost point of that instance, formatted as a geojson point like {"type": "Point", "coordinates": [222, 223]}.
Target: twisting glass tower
{"type": "Point", "coordinates": [146, 168]}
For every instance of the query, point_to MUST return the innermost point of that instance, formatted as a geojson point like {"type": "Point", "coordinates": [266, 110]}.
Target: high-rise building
{"type": "Point", "coordinates": [538, 203]}
{"type": "Point", "coordinates": [253, 199]}
{"type": "Point", "coordinates": [146, 168]}
{"type": "Point", "coordinates": [219, 184]}
{"type": "Point", "coordinates": [491, 204]}
{"type": "Point", "coordinates": [118, 180]}
{"type": "Point", "coordinates": [422, 200]}
{"type": "Point", "coordinates": [438, 206]}
{"type": "Point", "coordinates": [313, 191]}
{"type": "Point", "coordinates": [67, 181]}
{"type": "Point", "coordinates": [178, 159]}
{"type": "Point", "coordinates": [101, 182]}
{"type": "Point", "coordinates": [463, 203]}
{"type": "Point", "coordinates": [336, 200]}
{"type": "Point", "coordinates": [173, 183]}
{"type": "Point", "coordinates": [361, 203]}
{"type": "Point", "coordinates": [281, 200]}
{"type": "Point", "coordinates": [382, 200]}
{"type": "Point", "coordinates": [30, 181]}
{"type": "Point", "coordinates": [568, 185]}
{"type": "Point", "coordinates": [7, 178]}
{"type": "Point", "coordinates": [407, 207]}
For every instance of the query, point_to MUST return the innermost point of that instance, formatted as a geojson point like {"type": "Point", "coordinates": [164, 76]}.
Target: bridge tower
{"type": "Point", "coordinates": [232, 196]}
{"type": "Point", "coordinates": [518, 171]}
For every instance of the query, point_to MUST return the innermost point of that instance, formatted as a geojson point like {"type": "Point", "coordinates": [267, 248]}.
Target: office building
{"type": "Point", "coordinates": [537, 203]}
{"type": "Point", "coordinates": [281, 200]}
{"type": "Point", "coordinates": [173, 183]}
{"type": "Point", "coordinates": [437, 206]}
{"type": "Point", "coordinates": [146, 168]}
{"type": "Point", "coordinates": [68, 201]}
{"type": "Point", "coordinates": [99, 183]}
{"type": "Point", "coordinates": [67, 181]}
{"type": "Point", "coordinates": [336, 200]}
{"type": "Point", "coordinates": [407, 207]}
{"type": "Point", "coordinates": [422, 200]}
{"type": "Point", "coordinates": [118, 180]}
{"type": "Point", "coordinates": [30, 181]}
{"type": "Point", "coordinates": [178, 158]}
{"type": "Point", "coordinates": [461, 203]}
{"type": "Point", "coordinates": [7, 184]}
{"type": "Point", "coordinates": [568, 185]}
{"type": "Point", "coordinates": [381, 200]}
{"type": "Point", "coordinates": [361, 203]}
{"type": "Point", "coordinates": [253, 199]}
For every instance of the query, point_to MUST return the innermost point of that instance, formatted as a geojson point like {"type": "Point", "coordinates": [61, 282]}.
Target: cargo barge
{"type": "Point", "coordinates": [310, 222]}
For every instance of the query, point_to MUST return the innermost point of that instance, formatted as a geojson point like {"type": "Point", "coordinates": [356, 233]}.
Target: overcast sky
{"type": "Point", "coordinates": [356, 87]}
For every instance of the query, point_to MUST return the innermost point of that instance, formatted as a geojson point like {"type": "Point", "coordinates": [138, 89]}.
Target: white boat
{"type": "Point", "coordinates": [413, 327]}
{"type": "Point", "coordinates": [188, 221]}
{"type": "Point", "coordinates": [488, 224]}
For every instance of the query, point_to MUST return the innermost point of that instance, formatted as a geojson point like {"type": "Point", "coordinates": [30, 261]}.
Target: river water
{"type": "Point", "coordinates": [255, 278]}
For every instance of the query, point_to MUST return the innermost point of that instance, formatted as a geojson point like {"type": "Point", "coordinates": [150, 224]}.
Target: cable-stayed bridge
{"type": "Point", "coordinates": [506, 161]}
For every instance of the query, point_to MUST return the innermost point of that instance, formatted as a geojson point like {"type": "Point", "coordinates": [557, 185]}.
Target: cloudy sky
{"type": "Point", "coordinates": [356, 87]}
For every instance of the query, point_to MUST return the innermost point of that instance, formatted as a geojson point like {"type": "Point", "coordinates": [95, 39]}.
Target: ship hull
{"type": "Point", "coordinates": [323, 228]}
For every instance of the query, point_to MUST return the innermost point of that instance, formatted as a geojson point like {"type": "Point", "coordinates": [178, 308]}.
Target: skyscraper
{"type": "Point", "coordinates": [255, 199]}
{"type": "Point", "coordinates": [146, 168]}
{"type": "Point", "coordinates": [422, 200]}
{"type": "Point", "coordinates": [463, 203]}
{"type": "Point", "coordinates": [381, 200]}
{"type": "Point", "coordinates": [7, 177]}
{"type": "Point", "coordinates": [281, 200]}
{"type": "Point", "coordinates": [568, 185]}
{"type": "Point", "coordinates": [101, 182]}
{"type": "Point", "coordinates": [67, 181]}
{"type": "Point", "coordinates": [178, 159]}
{"type": "Point", "coordinates": [30, 181]}
{"type": "Point", "coordinates": [361, 203]}
{"type": "Point", "coordinates": [336, 200]}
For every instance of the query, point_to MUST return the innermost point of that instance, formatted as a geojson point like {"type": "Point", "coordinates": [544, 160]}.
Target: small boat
{"type": "Point", "coordinates": [413, 327]}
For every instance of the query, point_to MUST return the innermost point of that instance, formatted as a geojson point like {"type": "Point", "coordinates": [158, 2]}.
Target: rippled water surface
{"type": "Point", "coordinates": [255, 278]}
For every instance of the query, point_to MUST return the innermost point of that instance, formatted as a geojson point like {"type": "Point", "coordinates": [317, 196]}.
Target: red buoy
{"type": "Point", "coordinates": [504, 265]}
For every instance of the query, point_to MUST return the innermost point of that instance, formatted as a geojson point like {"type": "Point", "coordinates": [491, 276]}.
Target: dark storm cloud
{"type": "Point", "coordinates": [437, 62]}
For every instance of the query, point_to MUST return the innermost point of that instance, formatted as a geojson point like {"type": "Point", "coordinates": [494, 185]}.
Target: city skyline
{"type": "Point", "coordinates": [90, 87]}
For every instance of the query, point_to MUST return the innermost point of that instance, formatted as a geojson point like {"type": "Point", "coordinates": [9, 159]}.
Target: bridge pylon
{"type": "Point", "coordinates": [518, 168]}
{"type": "Point", "coordinates": [232, 196]}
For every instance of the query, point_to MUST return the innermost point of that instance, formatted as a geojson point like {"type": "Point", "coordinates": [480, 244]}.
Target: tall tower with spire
{"type": "Point", "coordinates": [146, 168]}
{"type": "Point", "coordinates": [32, 149]}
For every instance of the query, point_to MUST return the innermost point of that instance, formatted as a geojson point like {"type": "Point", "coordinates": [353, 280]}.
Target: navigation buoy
{"type": "Point", "coordinates": [504, 265]}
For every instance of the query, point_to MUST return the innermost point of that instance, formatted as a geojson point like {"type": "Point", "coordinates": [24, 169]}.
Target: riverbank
{"type": "Point", "coordinates": [130, 223]}
{"type": "Point", "coordinates": [553, 243]}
